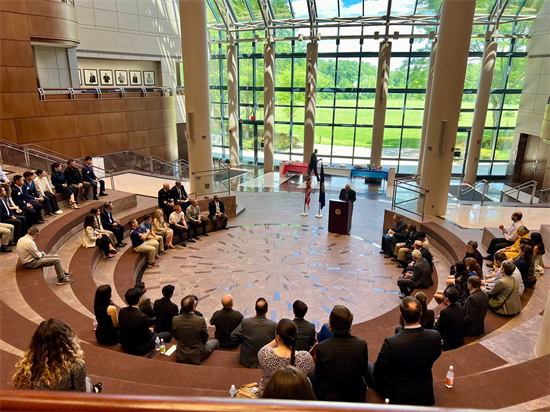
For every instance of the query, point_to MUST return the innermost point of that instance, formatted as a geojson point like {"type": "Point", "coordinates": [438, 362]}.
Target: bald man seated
{"type": "Point", "coordinates": [226, 321]}
{"type": "Point", "coordinates": [347, 194]}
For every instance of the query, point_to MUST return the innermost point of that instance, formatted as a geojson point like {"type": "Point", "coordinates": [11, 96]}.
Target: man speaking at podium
{"type": "Point", "coordinates": [347, 194]}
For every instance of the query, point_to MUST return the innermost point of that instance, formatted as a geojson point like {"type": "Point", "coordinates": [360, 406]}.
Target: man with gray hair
{"type": "Point", "coordinates": [32, 258]}
{"type": "Point", "coordinates": [194, 219]}
{"type": "Point", "coordinates": [420, 278]}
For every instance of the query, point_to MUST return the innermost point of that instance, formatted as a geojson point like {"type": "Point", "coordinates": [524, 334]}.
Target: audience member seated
{"type": "Point", "coordinates": [216, 212]}
{"type": "Point", "coordinates": [226, 320]}
{"type": "Point", "coordinates": [178, 225]}
{"type": "Point", "coordinates": [473, 268]}
{"type": "Point", "coordinates": [324, 333]}
{"type": "Point", "coordinates": [420, 278]}
{"type": "Point", "coordinates": [59, 182]}
{"type": "Point", "coordinates": [341, 362]}
{"type": "Point", "coordinates": [19, 214]}
{"type": "Point", "coordinates": [475, 308]}
{"type": "Point", "coordinates": [109, 222]}
{"type": "Point", "coordinates": [180, 195]}
{"type": "Point", "coordinates": [166, 200]}
{"type": "Point", "coordinates": [194, 219]}
{"type": "Point", "coordinates": [525, 265]}
{"type": "Point", "coordinates": [135, 336]}
{"type": "Point", "coordinates": [74, 179]}
{"type": "Point", "coordinates": [510, 235]}
{"type": "Point", "coordinates": [195, 304]}
{"type": "Point", "coordinates": [538, 264]}
{"type": "Point", "coordinates": [107, 332]}
{"type": "Point", "coordinates": [253, 334]}
{"type": "Point", "coordinates": [6, 237]}
{"type": "Point", "coordinates": [424, 251]}
{"type": "Point", "coordinates": [289, 382]}
{"type": "Point", "coordinates": [191, 333]}
{"type": "Point", "coordinates": [161, 228]}
{"type": "Point", "coordinates": [44, 189]}
{"type": "Point", "coordinates": [281, 352]}
{"type": "Point", "coordinates": [406, 246]}
{"type": "Point", "coordinates": [147, 225]}
{"type": "Point", "coordinates": [92, 238]}
{"type": "Point", "coordinates": [403, 370]}
{"type": "Point", "coordinates": [500, 257]}
{"type": "Point", "coordinates": [3, 177]}
{"type": "Point", "coordinates": [9, 217]}
{"type": "Point", "coordinates": [460, 282]}
{"type": "Point", "coordinates": [394, 235]}
{"type": "Point", "coordinates": [31, 207]}
{"type": "Point", "coordinates": [89, 176]}
{"type": "Point", "coordinates": [450, 323]}
{"type": "Point", "coordinates": [427, 319]}
{"type": "Point", "coordinates": [347, 194]}
{"type": "Point", "coordinates": [513, 251]}
{"type": "Point", "coordinates": [142, 244]}
{"type": "Point", "coordinates": [145, 304]}
{"type": "Point", "coordinates": [471, 251]}
{"type": "Point", "coordinates": [29, 189]}
{"type": "Point", "coordinates": [99, 226]}
{"type": "Point", "coordinates": [306, 330]}
{"type": "Point", "coordinates": [53, 361]}
{"type": "Point", "coordinates": [165, 310]}
{"type": "Point", "coordinates": [504, 295]}
{"type": "Point", "coordinates": [32, 258]}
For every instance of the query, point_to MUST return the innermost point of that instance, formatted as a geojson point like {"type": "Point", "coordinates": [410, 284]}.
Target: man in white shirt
{"type": "Point", "coordinates": [510, 236]}
{"type": "Point", "coordinates": [3, 177]}
{"type": "Point", "coordinates": [178, 225]}
{"type": "Point", "coordinates": [500, 258]}
{"type": "Point", "coordinates": [32, 258]}
{"type": "Point", "coordinates": [216, 212]}
{"type": "Point", "coordinates": [194, 219]}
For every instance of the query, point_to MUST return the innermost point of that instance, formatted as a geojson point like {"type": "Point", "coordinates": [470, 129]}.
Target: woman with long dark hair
{"type": "Point", "coordinates": [61, 186]}
{"type": "Point", "coordinates": [282, 351]}
{"type": "Point", "coordinates": [53, 361]}
{"type": "Point", "coordinates": [460, 282]}
{"type": "Point", "coordinates": [93, 238]}
{"type": "Point", "coordinates": [107, 332]}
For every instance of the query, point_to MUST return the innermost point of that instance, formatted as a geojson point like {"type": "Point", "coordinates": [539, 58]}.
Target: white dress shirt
{"type": "Point", "coordinates": [217, 207]}
{"type": "Point", "coordinates": [511, 233]}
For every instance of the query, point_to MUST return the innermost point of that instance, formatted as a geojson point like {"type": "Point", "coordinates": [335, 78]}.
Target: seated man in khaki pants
{"type": "Point", "coordinates": [142, 244]}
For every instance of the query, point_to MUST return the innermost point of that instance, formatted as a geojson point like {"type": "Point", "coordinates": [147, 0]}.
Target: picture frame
{"type": "Point", "coordinates": [121, 77]}
{"type": "Point", "coordinates": [90, 77]}
{"type": "Point", "coordinates": [106, 77]}
{"type": "Point", "coordinates": [135, 78]}
{"type": "Point", "coordinates": [148, 78]}
{"type": "Point", "coordinates": [80, 78]}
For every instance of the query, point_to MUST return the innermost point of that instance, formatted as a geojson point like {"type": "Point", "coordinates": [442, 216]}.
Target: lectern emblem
{"type": "Point", "coordinates": [338, 211]}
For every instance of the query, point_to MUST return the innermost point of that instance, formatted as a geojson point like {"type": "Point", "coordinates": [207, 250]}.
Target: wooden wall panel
{"type": "Point", "coordinates": [55, 9]}
{"type": "Point", "coordinates": [14, 26]}
{"type": "Point", "coordinates": [15, 6]}
{"type": "Point", "coordinates": [18, 79]}
{"type": "Point", "coordinates": [50, 28]}
{"type": "Point", "coordinates": [7, 130]}
{"type": "Point", "coordinates": [16, 53]}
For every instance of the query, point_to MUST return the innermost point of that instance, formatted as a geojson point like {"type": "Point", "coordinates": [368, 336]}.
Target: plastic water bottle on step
{"type": "Point", "coordinates": [94, 322]}
{"type": "Point", "coordinates": [232, 392]}
{"type": "Point", "coordinates": [157, 344]}
{"type": "Point", "coordinates": [450, 378]}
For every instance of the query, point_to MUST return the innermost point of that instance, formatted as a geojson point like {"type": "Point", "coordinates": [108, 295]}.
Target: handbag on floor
{"type": "Point", "coordinates": [496, 304]}
{"type": "Point", "coordinates": [250, 391]}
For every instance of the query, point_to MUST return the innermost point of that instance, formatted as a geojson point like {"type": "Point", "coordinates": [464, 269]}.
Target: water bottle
{"type": "Point", "coordinates": [162, 347]}
{"type": "Point", "coordinates": [450, 378]}
{"type": "Point", "coordinates": [386, 401]}
{"type": "Point", "coordinates": [94, 322]}
{"type": "Point", "coordinates": [157, 344]}
{"type": "Point", "coordinates": [232, 392]}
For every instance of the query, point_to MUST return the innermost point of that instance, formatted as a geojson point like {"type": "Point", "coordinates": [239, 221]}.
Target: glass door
{"type": "Point", "coordinates": [251, 142]}
{"type": "Point", "coordinates": [461, 147]}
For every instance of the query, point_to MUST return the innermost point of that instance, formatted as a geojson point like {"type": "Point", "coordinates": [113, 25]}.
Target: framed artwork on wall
{"type": "Point", "coordinates": [149, 78]}
{"type": "Point", "coordinates": [135, 78]}
{"type": "Point", "coordinates": [79, 77]}
{"type": "Point", "coordinates": [106, 77]}
{"type": "Point", "coordinates": [121, 77]}
{"type": "Point", "coordinates": [90, 77]}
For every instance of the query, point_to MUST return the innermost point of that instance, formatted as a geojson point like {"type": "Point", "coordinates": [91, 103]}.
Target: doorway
{"type": "Point", "coordinates": [534, 160]}
{"type": "Point", "coordinates": [251, 135]}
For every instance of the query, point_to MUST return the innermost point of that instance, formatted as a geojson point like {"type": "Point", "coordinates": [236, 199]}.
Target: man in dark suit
{"type": "Point", "coordinates": [166, 200]}
{"type": "Point", "coordinates": [420, 278]}
{"type": "Point", "coordinates": [342, 362]}
{"type": "Point", "coordinates": [32, 210]}
{"type": "Point", "coordinates": [109, 222]}
{"type": "Point", "coordinates": [29, 189]}
{"type": "Point", "coordinates": [226, 321]}
{"type": "Point", "coordinates": [425, 252]}
{"type": "Point", "coordinates": [88, 175]}
{"type": "Point", "coordinates": [254, 333]}
{"type": "Point", "coordinates": [451, 321]}
{"type": "Point", "coordinates": [475, 308]}
{"type": "Point", "coordinates": [74, 178]}
{"type": "Point", "coordinates": [195, 304]}
{"type": "Point", "coordinates": [165, 310]}
{"type": "Point", "coordinates": [216, 212]}
{"type": "Point", "coordinates": [180, 195]}
{"type": "Point", "coordinates": [347, 194]}
{"type": "Point", "coordinates": [394, 235]}
{"type": "Point", "coordinates": [145, 304]}
{"type": "Point", "coordinates": [191, 333]}
{"type": "Point", "coordinates": [312, 166]}
{"type": "Point", "coordinates": [7, 216]}
{"type": "Point", "coordinates": [403, 370]}
{"type": "Point", "coordinates": [135, 336]}
{"type": "Point", "coordinates": [406, 246]}
{"type": "Point", "coordinates": [306, 330]}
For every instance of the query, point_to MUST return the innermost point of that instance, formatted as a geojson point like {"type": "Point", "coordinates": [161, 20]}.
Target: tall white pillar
{"type": "Point", "coordinates": [194, 45]}
{"type": "Point", "coordinates": [311, 100]}
{"type": "Point", "coordinates": [233, 105]}
{"type": "Point", "coordinates": [269, 106]}
{"type": "Point", "coordinates": [480, 111]}
{"type": "Point", "coordinates": [380, 103]}
{"type": "Point", "coordinates": [542, 346]}
{"type": "Point", "coordinates": [427, 107]}
{"type": "Point", "coordinates": [455, 30]}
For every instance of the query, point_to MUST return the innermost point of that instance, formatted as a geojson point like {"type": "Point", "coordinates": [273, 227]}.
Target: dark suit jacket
{"type": "Point", "coordinates": [254, 333]}
{"type": "Point", "coordinates": [475, 310]}
{"type": "Point", "coordinates": [165, 311]}
{"type": "Point", "coordinates": [88, 174]}
{"type": "Point", "coordinates": [351, 195]}
{"type": "Point", "coordinates": [306, 334]}
{"type": "Point", "coordinates": [18, 196]}
{"type": "Point", "coordinates": [226, 320]}
{"type": "Point", "coordinates": [426, 254]}
{"type": "Point", "coordinates": [165, 197]}
{"type": "Point", "coordinates": [73, 176]}
{"type": "Point", "coordinates": [29, 188]}
{"type": "Point", "coordinates": [422, 274]}
{"type": "Point", "coordinates": [191, 333]}
{"type": "Point", "coordinates": [403, 370]}
{"type": "Point", "coordinates": [410, 239]}
{"type": "Point", "coordinates": [212, 208]}
{"type": "Point", "coordinates": [341, 369]}
{"type": "Point", "coordinates": [451, 326]}
{"type": "Point", "coordinates": [5, 211]}
{"type": "Point", "coordinates": [400, 230]}
{"type": "Point", "coordinates": [176, 195]}
{"type": "Point", "coordinates": [135, 336]}
{"type": "Point", "coordinates": [107, 220]}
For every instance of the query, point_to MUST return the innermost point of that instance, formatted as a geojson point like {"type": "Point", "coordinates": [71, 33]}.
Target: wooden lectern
{"type": "Point", "coordinates": [339, 217]}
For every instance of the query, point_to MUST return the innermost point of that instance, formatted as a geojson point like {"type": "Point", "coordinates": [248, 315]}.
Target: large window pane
{"type": "Point", "coordinates": [410, 145]}
{"type": "Point", "coordinates": [392, 138]}
{"type": "Point", "coordinates": [246, 76]}
{"type": "Point", "coordinates": [326, 73]}
{"type": "Point", "coordinates": [344, 116]}
{"type": "Point", "coordinates": [343, 141]}
{"type": "Point", "coordinates": [365, 116]}
{"type": "Point", "coordinates": [283, 72]}
{"type": "Point", "coordinates": [282, 137]}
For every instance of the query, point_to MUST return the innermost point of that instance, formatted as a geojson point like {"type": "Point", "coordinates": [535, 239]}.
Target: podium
{"type": "Point", "coordinates": [339, 217]}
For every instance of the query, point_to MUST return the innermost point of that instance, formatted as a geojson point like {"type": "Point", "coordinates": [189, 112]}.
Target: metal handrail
{"type": "Point", "coordinates": [98, 91]}
{"type": "Point", "coordinates": [521, 186]}
{"type": "Point", "coordinates": [405, 182]}
{"type": "Point", "coordinates": [518, 189]}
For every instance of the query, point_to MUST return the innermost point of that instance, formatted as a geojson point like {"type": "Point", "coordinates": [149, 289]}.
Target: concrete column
{"type": "Point", "coordinates": [194, 45]}
{"type": "Point", "coordinates": [544, 145]}
{"type": "Point", "coordinates": [311, 100]}
{"type": "Point", "coordinates": [455, 30]}
{"type": "Point", "coordinates": [269, 106]}
{"type": "Point", "coordinates": [380, 103]}
{"type": "Point", "coordinates": [427, 107]}
{"type": "Point", "coordinates": [233, 106]}
{"type": "Point", "coordinates": [543, 342]}
{"type": "Point", "coordinates": [480, 111]}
